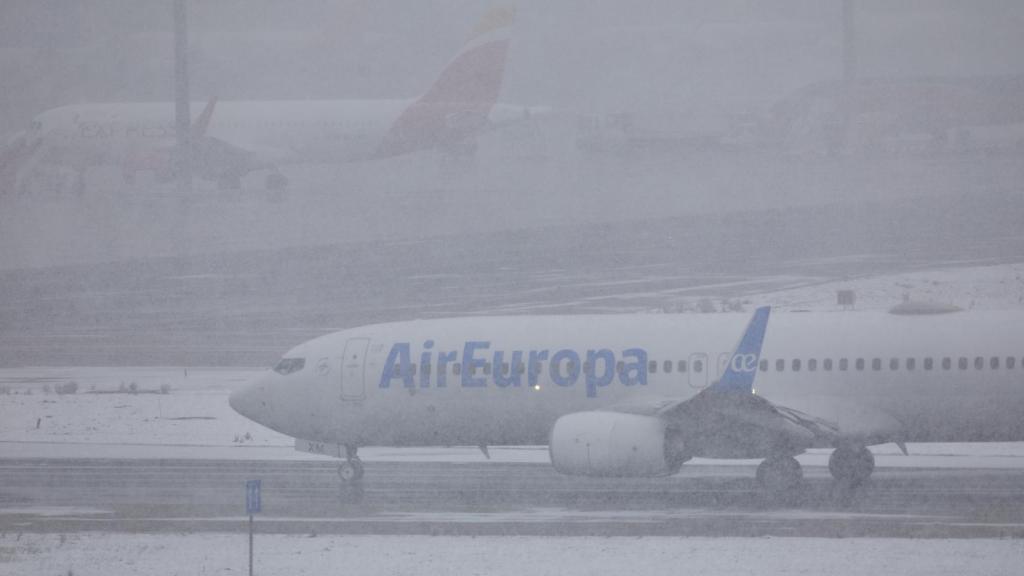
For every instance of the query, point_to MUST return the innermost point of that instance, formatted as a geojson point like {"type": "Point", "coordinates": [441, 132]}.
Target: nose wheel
{"type": "Point", "coordinates": [351, 470]}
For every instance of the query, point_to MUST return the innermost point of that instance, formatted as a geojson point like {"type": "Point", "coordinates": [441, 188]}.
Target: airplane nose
{"type": "Point", "coordinates": [247, 401]}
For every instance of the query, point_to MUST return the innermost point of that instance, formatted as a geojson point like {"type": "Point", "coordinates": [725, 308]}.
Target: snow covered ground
{"type": "Point", "coordinates": [972, 287]}
{"type": "Point", "coordinates": [114, 554]}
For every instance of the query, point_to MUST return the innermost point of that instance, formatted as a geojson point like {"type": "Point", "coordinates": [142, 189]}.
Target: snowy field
{"type": "Point", "coordinates": [115, 554]}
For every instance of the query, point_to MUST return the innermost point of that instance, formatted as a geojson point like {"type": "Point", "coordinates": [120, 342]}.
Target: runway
{"type": "Point", "coordinates": [157, 496]}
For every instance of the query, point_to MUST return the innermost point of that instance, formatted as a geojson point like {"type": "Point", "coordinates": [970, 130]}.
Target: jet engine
{"type": "Point", "coordinates": [612, 444]}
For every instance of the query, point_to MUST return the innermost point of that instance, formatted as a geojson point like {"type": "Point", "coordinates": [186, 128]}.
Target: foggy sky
{"type": "Point", "coordinates": [685, 58]}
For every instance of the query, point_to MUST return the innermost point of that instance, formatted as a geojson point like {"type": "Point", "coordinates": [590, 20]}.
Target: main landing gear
{"type": "Point", "coordinates": [779, 473]}
{"type": "Point", "coordinates": [851, 465]}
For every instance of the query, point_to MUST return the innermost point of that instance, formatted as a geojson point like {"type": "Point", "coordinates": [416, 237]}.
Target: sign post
{"type": "Point", "coordinates": [252, 506]}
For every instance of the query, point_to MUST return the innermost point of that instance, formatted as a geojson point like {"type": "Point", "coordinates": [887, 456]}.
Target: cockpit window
{"type": "Point", "coordinates": [289, 365]}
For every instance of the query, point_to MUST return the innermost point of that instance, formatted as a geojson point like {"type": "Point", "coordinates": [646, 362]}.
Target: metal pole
{"type": "Point", "coordinates": [250, 544]}
{"type": "Point", "coordinates": [182, 113]}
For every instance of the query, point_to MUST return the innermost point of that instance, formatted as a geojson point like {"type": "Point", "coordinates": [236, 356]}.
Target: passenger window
{"type": "Point", "coordinates": [652, 366]}
{"type": "Point", "coordinates": [780, 365]}
{"type": "Point", "coordinates": [843, 364]}
{"type": "Point", "coordinates": [520, 368]}
{"type": "Point", "coordinates": [667, 367]}
{"type": "Point", "coordinates": [860, 363]}
{"type": "Point", "coordinates": [827, 365]}
{"type": "Point", "coordinates": [456, 369]}
{"type": "Point", "coordinates": [994, 363]}
{"type": "Point", "coordinates": [796, 365]}
{"type": "Point", "coordinates": [1011, 362]}
{"type": "Point", "coordinates": [487, 368]}
{"type": "Point", "coordinates": [504, 368]}
{"type": "Point", "coordinates": [876, 364]}
{"type": "Point", "coordinates": [586, 367]}
{"type": "Point", "coordinates": [979, 362]}
{"type": "Point", "coordinates": [682, 365]}
{"type": "Point", "coordinates": [763, 365]}
{"type": "Point", "coordinates": [425, 368]}
{"type": "Point", "coordinates": [412, 369]}
{"type": "Point", "coordinates": [962, 363]}
{"type": "Point", "coordinates": [947, 363]}
{"type": "Point", "coordinates": [698, 366]}
{"type": "Point", "coordinates": [812, 364]}
{"type": "Point", "coordinates": [894, 364]}
{"type": "Point", "coordinates": [620, 367]}
{"type": "Point", "coordinates": [397, 372]}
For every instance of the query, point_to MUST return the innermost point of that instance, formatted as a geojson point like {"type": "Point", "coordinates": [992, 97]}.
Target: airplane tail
{"type": "Point", "coordinates": [743, 364]}
{"type": "Point", "coordinates": [476, 74]}
{"type": "Point", "coordinates": [460, 100]}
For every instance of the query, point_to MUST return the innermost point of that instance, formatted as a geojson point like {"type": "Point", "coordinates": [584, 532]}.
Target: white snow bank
{"type": "Point", "coordinates": [131, 554]}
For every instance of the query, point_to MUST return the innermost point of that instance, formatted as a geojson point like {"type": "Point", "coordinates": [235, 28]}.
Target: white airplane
{"type": "Point", "coordinates": [233, 139]}
{"type": "Point", "coordinates": [635, 395]}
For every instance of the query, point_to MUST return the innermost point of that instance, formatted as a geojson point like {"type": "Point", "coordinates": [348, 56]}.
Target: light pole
{"type": "Point", "coordinates": [182, 112]}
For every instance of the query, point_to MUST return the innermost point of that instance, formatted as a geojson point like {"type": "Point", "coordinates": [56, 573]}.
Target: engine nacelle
{"type": "Point", "coordinates": [610, 444]}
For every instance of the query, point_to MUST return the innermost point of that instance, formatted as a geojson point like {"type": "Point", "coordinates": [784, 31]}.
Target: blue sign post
{"type": "Point", "coordinates": [252, 497]}
{"type": "Point", "coordinates": [252, 506]}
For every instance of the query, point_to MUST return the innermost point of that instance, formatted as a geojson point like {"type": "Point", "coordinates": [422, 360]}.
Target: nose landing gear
{"type": "Point", "coordinates": [351, 470]}
{"type": "Point", "coordinates": [351, 473]}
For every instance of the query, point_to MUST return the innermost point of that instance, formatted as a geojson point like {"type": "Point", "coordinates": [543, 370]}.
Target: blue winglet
{"type": "Point", "coordinates": [743, 364]}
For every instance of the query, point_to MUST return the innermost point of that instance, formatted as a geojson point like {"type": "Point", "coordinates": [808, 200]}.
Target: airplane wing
{"type": "Point", "coordinates": [730, 420]}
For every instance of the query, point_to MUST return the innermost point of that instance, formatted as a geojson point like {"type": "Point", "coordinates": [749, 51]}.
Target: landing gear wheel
{"type": "Point", "coordinates": [779, 474]}
{"type": "Point", "coordinates": [351, 471]}
{"type": "Point", "coordinates": [851, 464]}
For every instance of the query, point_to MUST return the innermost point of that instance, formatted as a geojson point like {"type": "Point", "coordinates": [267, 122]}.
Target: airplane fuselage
{"type": "Point", "coordinates": [505, 380]}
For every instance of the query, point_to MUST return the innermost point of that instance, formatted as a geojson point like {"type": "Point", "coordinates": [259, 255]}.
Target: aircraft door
{"type": "Point", "coordinates": [353, 369]}
{"type": "Point", "coordinates": [698, 370]}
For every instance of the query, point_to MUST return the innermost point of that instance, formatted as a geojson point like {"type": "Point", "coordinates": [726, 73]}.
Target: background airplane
{"type": "Point", "coordinates": [235, 138]}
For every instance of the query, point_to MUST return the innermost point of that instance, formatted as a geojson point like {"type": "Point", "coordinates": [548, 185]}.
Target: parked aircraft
{"type": "Point", "coordinates": [233, 139]}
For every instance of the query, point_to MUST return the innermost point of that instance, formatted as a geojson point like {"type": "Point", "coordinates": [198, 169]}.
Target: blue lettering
{"type": "Point", "coordinates": [470, 364]}
{"type": "Point", "coordinates": [425, 364]}
{"type": "Point", "coordinates": [399, 355]}
{"type": "Point", "coordinates": [573, 372]}
{"type": "Point", "coordinates": [514, 377]}
{"type": "Point", "coordinates": [608, 374]}
{"type": "Point", "coordinates": [565, 368]}
{"type": "Point", "coordinates": [443, 358]}
{"type": "Point", "coordinates": [635, 372]}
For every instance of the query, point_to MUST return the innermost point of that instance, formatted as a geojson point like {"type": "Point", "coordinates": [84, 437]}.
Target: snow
{"type": "Point", "coordinates": [218, 553]}
{"type": "Point", "coordinates": [968, 287]}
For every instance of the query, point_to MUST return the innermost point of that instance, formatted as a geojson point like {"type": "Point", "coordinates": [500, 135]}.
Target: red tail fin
{"type": "Point", "coordinates": [459, 102]}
